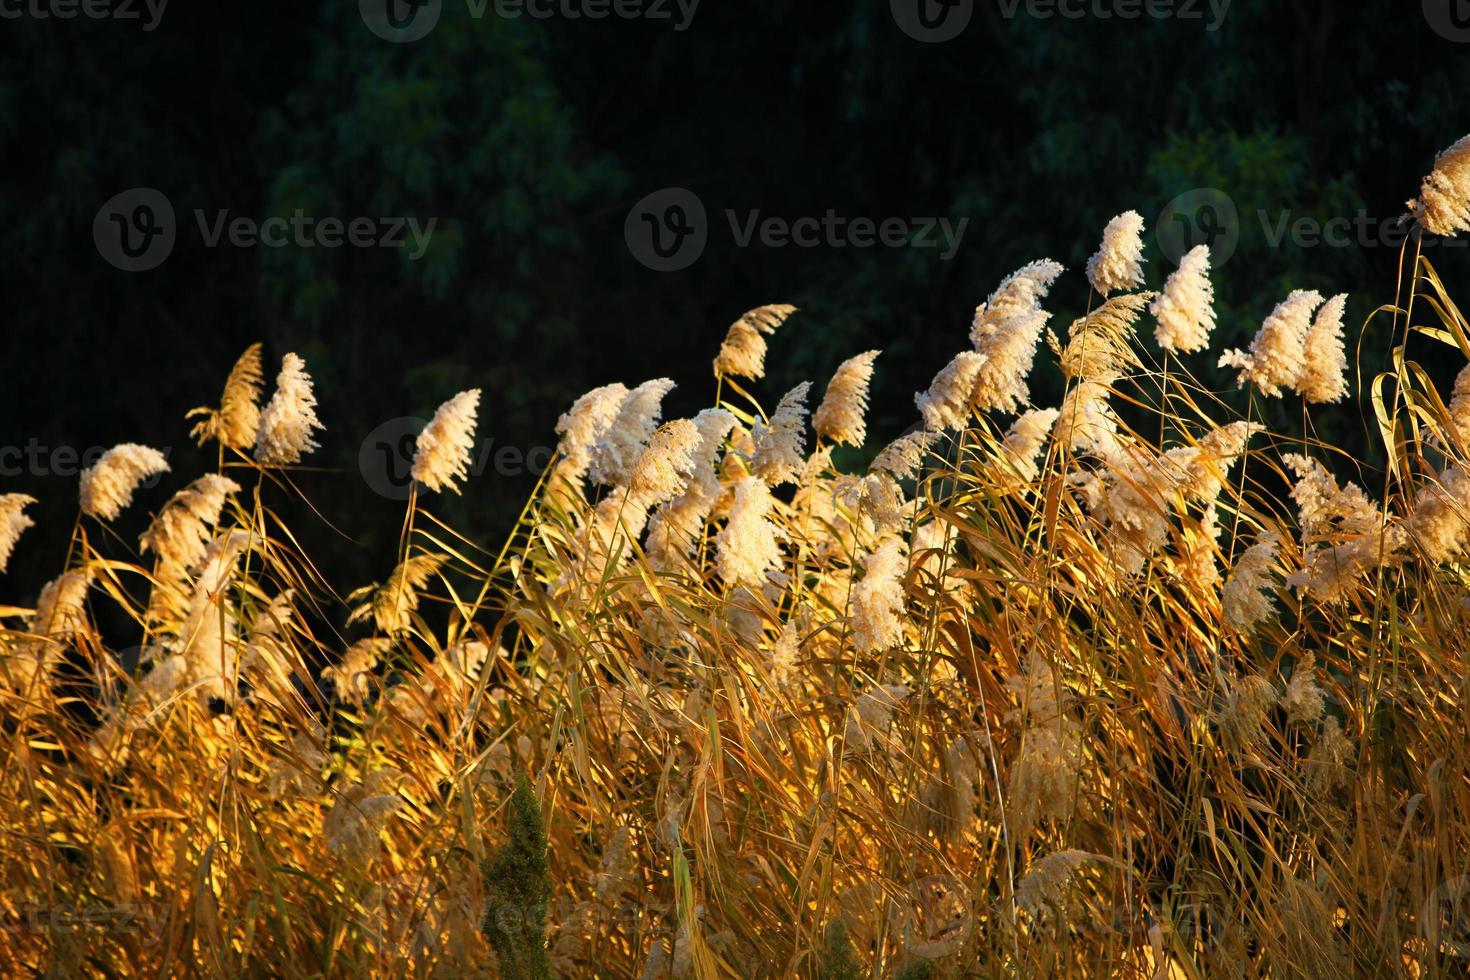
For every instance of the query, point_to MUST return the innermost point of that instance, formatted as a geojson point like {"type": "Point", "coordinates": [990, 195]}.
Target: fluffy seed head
{"type": "Point", "coordinates": [747, 549]}
{"type": "Point", "coordinates": [13, 523]}
{"type": "Point", "coordinates": [1242, 711]}
{"type": "Point", "coordinates": [391, 604]}
{"type": "Point", "coordinates": [1276, 357]}
{"type": "Point", "coordinates": [1440, 522]}
{"type": "Point", "coordinates": [1303, 700]}
{"type": "Point", "coordinates": [289, 418]}
{"type": "Point", "coordinates": [1185, 310]}
{"type": "Point", "coordinates": [743, 354]}
{"type": "Point", "coordinates": [1443, 205]}
{"type": "Point", "coordinates": [583, 424]}
{"type": "Point", "coordinates": [947, 403]}
{"type": "Point", "coordinates": [108, 485]}
{"type": "Point", "coordinates": [236, 420]}
{"type": "Point", "coordinates": [877, 600]}
{"type": "Point", "coordinates": [1323, 507]}
{"type": "Point", "coordinates": [620, 443]}
{"type": "Point", "coordinates": [1019, 293]}
{"type": "Point", "coordinates": [1100, 345]}
{"type": "Point", "coordinates": [903, 456]}
{"type": "Point", "coordinates": [1006, 330]}
{"type": "Point", "coordinates": [1246, 596]}
{"type": "Point", "coordinates": [841, 416]}
{"type": "Point", "coordinates": [1460, 405]}
{"type": "Point", "coordinates": [1324, 367]}
{"type": "Point", "coordinates": [672, 531]}
{"type": "Point", "coordinates": [1024, 441]}
{"type": "Point", "coordinates": [780, 443]}
{"type": "Point", "coordinates": [1118, 263]}
{"type": "Point", "coordinates": [179, 534]}
{"type": "Point", "coordinates": [663, 469]}
{"type": "Point", "coordinates": [786, 656]}
{"type": "Point", "coordinates": [360, 813]}
{"type": "Point", "coordinates": [1087, 422]}
{"type": "Point", "coordinates": [445, 449]}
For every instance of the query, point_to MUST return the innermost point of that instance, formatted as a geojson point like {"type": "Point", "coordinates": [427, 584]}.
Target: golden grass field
{"type": "Point", "coordinates": [1039, 694]}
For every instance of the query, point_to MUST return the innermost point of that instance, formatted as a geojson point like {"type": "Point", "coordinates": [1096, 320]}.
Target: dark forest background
{"type": "Point", "coordinates": [529, 141]}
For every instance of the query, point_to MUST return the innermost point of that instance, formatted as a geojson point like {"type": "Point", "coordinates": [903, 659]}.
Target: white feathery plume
{"type": "Point", "coordinates": [780, 442]}
{"type": "Point", "coordinates": [583, 424]}
{"type": "Point", "coordinates": [1118, 263]}
{"type": "Point", "coordinates": [1275, 359]}
{"type": "Point", "coordinates": [1324, 361]}
{"type": "Point", "coordinates": [1185, 310]}
{"type": "Point", "coordinates": [662, 471]}
{"type": "Point", "coordinates": [1086, 421]}
{"type": "Point", "coordinates": [287, 422]}
{"type": "Point", "coordinates": [841, 416]}
{"type": "Point", "coordinates": [947, 403]}
{"type": "Point", "coordinates": [13, 523]}
{"type": "Point", "coordinates": [1440, 521]}
{"type": "Point", "coordinates": [743, 353]}
{"type": "Point", "coordinates": [180, 531]}
{"type": "Point", "coordinates": [877, 600]}
{"type": "Point", "coordinates": [674, 529]}
{"type": "Point", "coordinates": [620, 443]}
{"type": "Point", "coordinates": [747, 549]}
{"type": "Point", "coordinates": [1460, 405]}
{"type": "Point", "coordinates": [108, 485]}
{"type": "Point", "coordinates": [903, 457]}
{"type": "Point", "coordinates": [1023, 443]}
{"type": "Point", "coordinates": [1006, 329]}
{"type": "Point", "coordinates": [1443, 205]}
{"type": "Point", "coordinates": [1246, 597]}
{"type": "Point", "coordinates": [1019, 293]}
{"type": "Point", "coordinates": [445, 449]}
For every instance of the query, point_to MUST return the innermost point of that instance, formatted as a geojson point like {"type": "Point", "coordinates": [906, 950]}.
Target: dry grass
{"type": "Point", "coordinates": [991, 719]}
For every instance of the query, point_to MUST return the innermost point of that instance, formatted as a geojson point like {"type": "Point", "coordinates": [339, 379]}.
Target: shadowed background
{"type": "Point", "coordinates": [529, 140]}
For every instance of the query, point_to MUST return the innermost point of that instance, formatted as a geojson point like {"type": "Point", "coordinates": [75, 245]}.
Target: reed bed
{"type": "Point", "coordinates": [1129, 686]}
